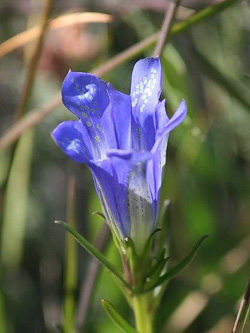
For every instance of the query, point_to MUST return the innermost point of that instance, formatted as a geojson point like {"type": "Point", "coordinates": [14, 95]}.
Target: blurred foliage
{"type": "Point", "coordinates": [207, 174]}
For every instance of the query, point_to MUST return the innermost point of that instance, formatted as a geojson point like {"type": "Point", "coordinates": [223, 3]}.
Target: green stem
{"type": "Point", "coordinates": [143, 316]}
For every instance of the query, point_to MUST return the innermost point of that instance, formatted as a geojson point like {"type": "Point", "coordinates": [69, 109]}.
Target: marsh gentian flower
{"type": "Point", "coordinates": [123, 139]}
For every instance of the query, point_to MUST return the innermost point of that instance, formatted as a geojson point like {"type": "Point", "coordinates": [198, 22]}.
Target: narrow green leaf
{"type": "Point", "coordinates": [150, 241]}
{"type": "Point", "coordinates": [117, 319]}
{"type": "Point", "coordinates": [93, 251]}
{"type": "Point", "coordinates": [173, 272]}
{"type": "Point", "coordinates": [70, 280]}
{"type": "Point", "coordinates": [201, 15]}
{"type": "Point", "coordinates": [165, 220]}
{"type": "Point", "coordinates": [158, 267]}
{"type": "Point", "coordinates": [100, 214]}
{"type": "Point", "coordinates": [232, 86]}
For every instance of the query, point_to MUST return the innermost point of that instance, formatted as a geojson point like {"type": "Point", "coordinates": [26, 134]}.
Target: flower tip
{"type": "Point", "coordinates": [52, 134]}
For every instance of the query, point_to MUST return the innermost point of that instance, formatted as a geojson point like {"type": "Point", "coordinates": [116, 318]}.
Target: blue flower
{"type": "Point", "coordinates": [123, 139]}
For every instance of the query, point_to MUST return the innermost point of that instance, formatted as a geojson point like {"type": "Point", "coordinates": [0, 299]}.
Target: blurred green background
{"type": "Point", "coordinates": [206, 179]}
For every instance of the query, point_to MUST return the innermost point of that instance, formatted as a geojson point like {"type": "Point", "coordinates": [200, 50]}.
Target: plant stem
{"type": "Point", "coordinates": [143, 317]}
{"type": "Point", "coordinates": [32, 66]}
{"type": "Point", "coordinates": [70, 281]}
{"type": "Point", "coordinates": [166, 25]}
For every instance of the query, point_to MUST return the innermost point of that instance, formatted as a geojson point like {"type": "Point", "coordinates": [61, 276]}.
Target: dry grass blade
{"type": "Point", "coordinates": [167, 22]}
{"type": "Point", "coordinates": [89, 282]}
{"type": "Point", "coordinates": [59, 22]}
{"type": "Point", "coordinates": [33, 63]}
{"type": "Point", "coordinates": [27, 122]}
{"type": "Point", "coordinates": [243, 313]}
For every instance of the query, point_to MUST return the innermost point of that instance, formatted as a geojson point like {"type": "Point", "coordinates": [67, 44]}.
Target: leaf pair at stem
{"type": "Point", "coordinates": [112, 269]}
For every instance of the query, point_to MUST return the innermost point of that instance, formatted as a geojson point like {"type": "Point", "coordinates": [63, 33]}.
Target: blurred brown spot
{"type": "Point", "coordinates": [67, 44]}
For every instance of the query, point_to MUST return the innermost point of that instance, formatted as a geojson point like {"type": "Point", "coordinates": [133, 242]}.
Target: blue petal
{"type": "Point", "coordinates": [161, 118]}
{"type": "Point", "coordinates": [113, 177]}
{"type": "Point", "coordinates": [145, 92]}
{"type": "Point", "coordinates": [73, 139]}
{"type": "Point", "coordinates": [112, 195]}
{"type": "Point", "coordinates": [156, 165]}
{"type": "Point", "coordinates": [121, 112]}
{"type": "Point", "coordinates": [83, 94]}
{"type": "Point", "coordinates": [176, 119]}
{"type": "Point", "coordinates": [87, 97]}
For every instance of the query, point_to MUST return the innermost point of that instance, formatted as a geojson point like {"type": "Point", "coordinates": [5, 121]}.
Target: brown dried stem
{"type": "Point", "coordinates": [243, 312]}
{"type": "Point", "coordinates": [90, 280]}
{"type": "Point", "coordinates": [29, 80]}
{"type": "Point", "coordinates": [166, 25]}
{"type": "Point", "coordinates": [63, 21]}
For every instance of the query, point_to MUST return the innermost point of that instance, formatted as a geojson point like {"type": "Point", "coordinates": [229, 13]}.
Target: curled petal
{"type": "Point", "coordinates": [156, 165]}
{"type": "Point", "coordinates": [161, 118]}
{"type": "Point", "coordinates": [121, 113]}
{"type": "Point", "coordinates": [87, 97]}
{"type": "Point", "coordinates": [145, 92]}
{"type": "Point", "coordinates": [83, 94]}
{"type": "Point", "coordinates": [73, 139]}
{"type": "Point", "coordinates": [176, 119]}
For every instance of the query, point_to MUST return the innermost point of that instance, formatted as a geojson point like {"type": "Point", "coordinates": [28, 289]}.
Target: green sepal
{"type": "Point", "coordinates": [117, 319]}
{"type": "Point", "coordinates": [150, 241]}
{"type": "Point", "coordinates": [99, 214]}
{"type": "Point", "coordinates": [165, 220]}
{"type": "Point", "coordinates": [177, 269]}
{"type": "Point", "coordinates": [158, 267]}
{"type": "Point", "coordinates": [130, 247]}
{"type": "Point", "coordinates": [94, 252]}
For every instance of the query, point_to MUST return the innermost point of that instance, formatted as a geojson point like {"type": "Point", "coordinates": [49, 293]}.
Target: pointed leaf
{"type": "Point", "coordinates": [100, 214]}
{"type": "Point", "coordinates": [130, 245]}
{"type": "Point", "coordinates": [173, 272]}
{"type": "Point", "coordinates": [150, 241]}
{"type": "Point", "coordinates": [232, 86]}
{"type": "Point", "coordinates": [93, 251]}
{"type": "Point", "coordinates": [117, 319]}
{"type": "Point", "coordinates": [165, 221]}
{"type": "Point", "coordinates": [158, 268]}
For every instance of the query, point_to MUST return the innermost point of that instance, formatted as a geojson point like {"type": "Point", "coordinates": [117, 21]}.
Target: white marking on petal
{"type": "Point", "coordinates": [75, 145]}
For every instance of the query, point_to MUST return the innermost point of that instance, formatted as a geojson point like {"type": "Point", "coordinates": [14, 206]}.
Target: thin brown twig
{"type": "Point", "coordinates": [166, 25]}
{"type": "Point", "coordinates": [71, 263]}
{"type": "Point", "coordinates": [27, 122]}
{"type": "Point", "coordinates": [29, 80]}
{"type": "Point", "coordinates": [22, 109]}
{"type": "Point", "coordinates": [90, 280]}
{"type": "Point", "coordinates": [62, 21]}
{"type": "Point", "coordinates": [24, 98]}
{"type": "Point", "coordinates": [243, 312]}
